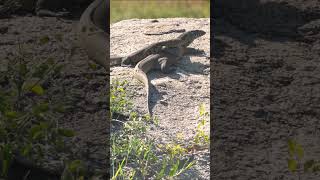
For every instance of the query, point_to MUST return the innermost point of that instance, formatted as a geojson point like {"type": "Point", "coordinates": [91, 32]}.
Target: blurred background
{"type": "Point", "coordinates": [149, 9]}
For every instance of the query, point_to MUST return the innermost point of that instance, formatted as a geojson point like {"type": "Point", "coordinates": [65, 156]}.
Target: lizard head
{"type": "Point", "coordinates": [189, 36]}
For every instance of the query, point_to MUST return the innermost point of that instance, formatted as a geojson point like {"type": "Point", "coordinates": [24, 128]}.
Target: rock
{"type": "Point", "coordinates": [265, 87]}
{"type": "Point", "coordinates": [4, 30]}
{"type": "Point", "coordinates": [176, 110]}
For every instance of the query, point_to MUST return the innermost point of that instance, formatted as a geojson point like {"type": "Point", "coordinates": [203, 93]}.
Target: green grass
{"type": "Point", "coordinates": [134, 155]}
{"type": "Point", "coordinates": [143, 9]}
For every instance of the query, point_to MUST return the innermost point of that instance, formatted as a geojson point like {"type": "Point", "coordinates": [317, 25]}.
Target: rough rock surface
{"type": "Point", "coordinates": [177, 95]}
{"type": "Point", "coordinates": [265, 87]}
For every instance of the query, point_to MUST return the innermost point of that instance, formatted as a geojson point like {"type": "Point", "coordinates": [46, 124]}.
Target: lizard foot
{"type": "Point", "coordinates": [126, 62]}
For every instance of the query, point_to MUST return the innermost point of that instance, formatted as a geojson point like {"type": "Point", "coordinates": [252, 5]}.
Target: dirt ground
{"type": "Point", "coordinates": [175, 97]}
{"type": "Point", "coordinates": [265, 87]}
{"type": "Point", "coordinates": [80, 87]}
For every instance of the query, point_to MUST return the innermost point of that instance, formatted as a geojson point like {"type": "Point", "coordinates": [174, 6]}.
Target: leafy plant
{"type": "Point", "coordinates": [28, 118]}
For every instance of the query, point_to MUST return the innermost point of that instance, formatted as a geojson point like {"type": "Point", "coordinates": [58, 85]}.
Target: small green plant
{"type": "Point", "coordinates": [28, 118]}
{"type": "Point", "coordinates": [174, 162]}
{"type": "Point", "coordinates": [6, 156]}
{"type": "Point", "coordinates": [295, 155]}
{"type": "Point", "coordinates": [119, 102]}
{"type": "Point", "coordinates": [201, 138]}
{"type": "Point", "coordinates": [296, 161]}
{"type": "Point", "coordinates": [73, 170]}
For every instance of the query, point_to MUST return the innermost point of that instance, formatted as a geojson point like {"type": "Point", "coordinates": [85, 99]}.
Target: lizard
{"type": "Point", "coordinates": [93, 35]}
{"type": "Point", "coordinates": [181, 42]}
{"type": "Point", "coordinates": [167, 57]}
{"type": "Point", "coordinates": [94, 39]}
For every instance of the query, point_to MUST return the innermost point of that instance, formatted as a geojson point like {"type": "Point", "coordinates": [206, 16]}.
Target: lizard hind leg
{"type": "Point", "coordinates": [164, 65]}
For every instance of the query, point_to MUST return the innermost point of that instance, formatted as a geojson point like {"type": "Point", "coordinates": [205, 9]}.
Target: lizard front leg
{"type": "Point", "coordinates": [166, 64]}
{"type": "Point", "coordinates": [169, 57]}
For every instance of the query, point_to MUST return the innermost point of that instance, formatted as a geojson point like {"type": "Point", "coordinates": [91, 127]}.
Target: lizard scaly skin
{"type": "Point", "coordinates": [163, 60]}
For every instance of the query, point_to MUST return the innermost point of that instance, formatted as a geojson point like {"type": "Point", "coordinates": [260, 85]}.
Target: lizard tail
{"type": "Point", "coordinates": [92, 38]}
{"type": "Point", "coordinates": [142, 76]}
